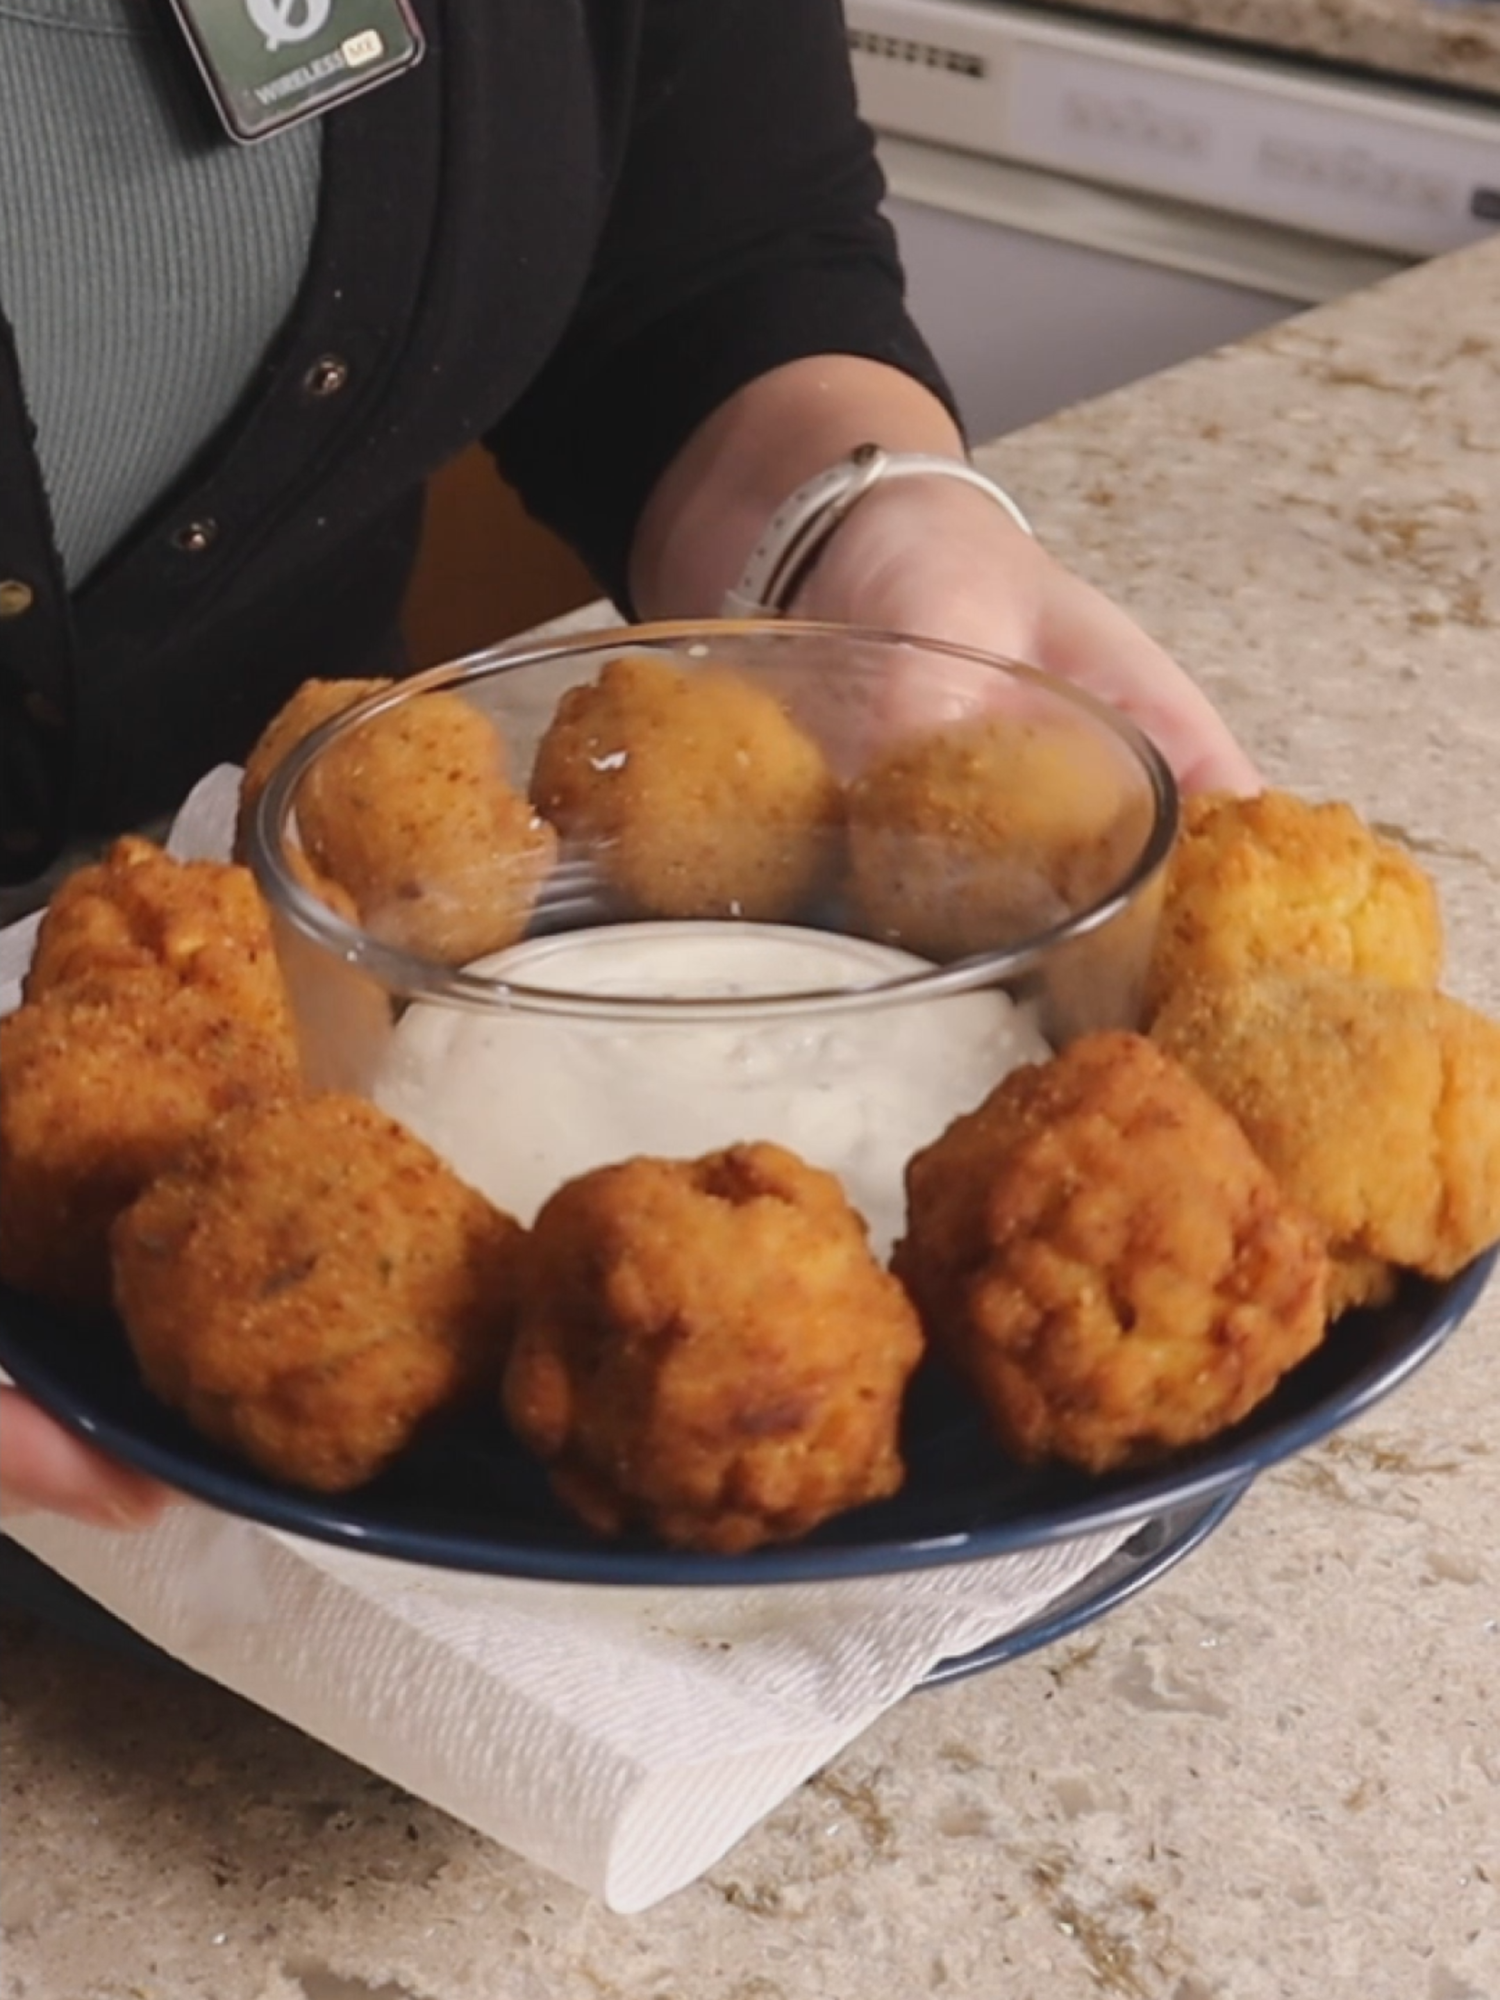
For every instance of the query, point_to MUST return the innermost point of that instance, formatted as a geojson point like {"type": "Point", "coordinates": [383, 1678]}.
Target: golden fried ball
{"type": "Point", "coordinates": [699, 793]}
{"type": "Point", "coordinates": [315, 702]}
{"type": "Point", "coordinates": [310, 1284]}
{"type": "Point", "coordinates": [1274, 883]}
{"type": "Point", "coordinates": [201, 924]}
{"type": "Point", "coordinates": [708, 1350]}
{"type": "Point", "coordinates": [412, 814]}
{"type": "Point", "coordinates": [1376, 1106]}
{"type": "Point", "coordinates": [1099, 1251]}
{"type": "Point", "coordinates": [97, 1097]}
{"type": "Point", "coordinates": [984, 832]}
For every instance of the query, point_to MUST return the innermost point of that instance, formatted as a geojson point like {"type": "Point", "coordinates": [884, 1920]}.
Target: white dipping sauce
{"type": "Point", "coordinates": [520, 1102]}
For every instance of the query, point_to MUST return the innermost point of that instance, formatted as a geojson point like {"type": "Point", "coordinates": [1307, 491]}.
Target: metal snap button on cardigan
{"type": "Point", "coordinates": [327, 376]}
{"type": "Point", "coordinates": [195, 536]}
{"type": "Point", "coordinates": [15, 597]}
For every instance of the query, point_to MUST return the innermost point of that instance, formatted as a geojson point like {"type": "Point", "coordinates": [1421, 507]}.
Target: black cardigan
{"type": "Point", "coordinates": [572, 230]}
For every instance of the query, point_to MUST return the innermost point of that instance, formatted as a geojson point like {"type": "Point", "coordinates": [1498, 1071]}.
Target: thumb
{"type": "Point", "coordinates": [43, 1466]}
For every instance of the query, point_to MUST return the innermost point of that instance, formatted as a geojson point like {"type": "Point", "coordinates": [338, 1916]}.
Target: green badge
{"type": "Point", "coordinates": [270, 62]}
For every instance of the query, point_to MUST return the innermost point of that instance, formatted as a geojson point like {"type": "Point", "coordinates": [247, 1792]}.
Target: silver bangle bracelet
{"type": "Point", "coordinates": [800, 529]}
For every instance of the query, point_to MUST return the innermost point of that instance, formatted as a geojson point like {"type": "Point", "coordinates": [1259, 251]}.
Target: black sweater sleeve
{"type": "Point", "coordinates": [743, 232]}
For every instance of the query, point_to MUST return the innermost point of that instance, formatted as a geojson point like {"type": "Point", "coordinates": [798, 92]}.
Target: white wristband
{"type": "Point", "coordinates": [800, 529]}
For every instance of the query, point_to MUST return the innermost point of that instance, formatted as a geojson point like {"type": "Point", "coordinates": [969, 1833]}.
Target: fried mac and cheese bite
{"type": "Point", "coordinates": [1275, 883]}
{"type": "Point", "coordinates": [411, 816]}
{"type": "Point", "coordinates": [986, 831]}
{"type": "Point", "coordinates": [708, 1350]}
{"type": "Point", "coordinates": [314, 703]}
{"type": "Point", "coordinates": [97, 1096]}
{"type": "Point", "coordinates": [153, 1003]}
{"type": "Point", "coordinates": [310, 1285]}
{"type": "Point", "coordinates": [1099, 1251]}
{"type": "Point", "coordinates": [697, 793]}
{"type": "Point", "coordinates": [1377, 1107]}
{"type": "Point", "coordinates": [200, 925]}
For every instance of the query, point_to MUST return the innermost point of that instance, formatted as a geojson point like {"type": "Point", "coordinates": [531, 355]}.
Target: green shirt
{"type": "Point", "coordinates": [146, 262]}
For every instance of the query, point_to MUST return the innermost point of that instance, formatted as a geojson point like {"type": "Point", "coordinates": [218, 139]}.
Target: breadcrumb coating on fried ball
{"type": "Point", "coordinates": [709, 1351]}
{"type": "Point", "coordinates": [1276, 883]}
{"type": "Point", "coordinates": [1376, 1106]}
{"type": "Point", "coordinates": [315, 702]}
{"type": "Point", "coordinates": [986, 831]}
{"type": "Point", "coordinates": [310, 1285]}
{"type": "Point", "coordinates": [1099, 1251]}
{"type": "Point", "coordinates": [413, 815]}
{"type": "Point", "coordinates": [97, 1096]}
{"type": "Point", "coordinates": [697, 792]}
{"type": "Point", "coordinates": [331, 894]}
{"type": "Point", "coordinates": [409, 824]}
{"type": "Point", "coordinates": [199, 924]}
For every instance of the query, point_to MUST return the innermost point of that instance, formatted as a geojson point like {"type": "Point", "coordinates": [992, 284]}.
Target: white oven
{"type": "Point", "coordinates": [1079, 204]}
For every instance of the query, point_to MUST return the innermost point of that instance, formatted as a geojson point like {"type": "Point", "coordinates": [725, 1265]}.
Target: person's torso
{"type": "Point", "coordinates": [145, 267]}
{"type": "Point", "coordinates": [457, 213]}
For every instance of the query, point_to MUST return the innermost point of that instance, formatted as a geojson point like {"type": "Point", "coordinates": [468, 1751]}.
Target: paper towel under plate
{"type": "Point", "coordinates": [1156, 1547]}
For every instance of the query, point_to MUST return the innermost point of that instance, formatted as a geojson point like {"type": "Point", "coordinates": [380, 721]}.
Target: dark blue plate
{"type": "Point", "coordinates": [467, 1497]}
{"type": "Point", "coordinates": [1153, 1549]}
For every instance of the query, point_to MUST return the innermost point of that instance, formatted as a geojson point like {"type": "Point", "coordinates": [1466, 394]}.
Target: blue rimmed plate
{"type": "Point", "coordinates": [1157, 1546]}
{"type": "Point", "coordinates": [469, 1498]}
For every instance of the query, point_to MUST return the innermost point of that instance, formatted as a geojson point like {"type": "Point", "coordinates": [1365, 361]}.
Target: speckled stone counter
{"type": "Point", "coordinates": [1274, 1776]}
{"type": "Point", "coordinates": [1457, 45]}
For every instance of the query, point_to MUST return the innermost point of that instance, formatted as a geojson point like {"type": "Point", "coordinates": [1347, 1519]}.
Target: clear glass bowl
{"type": "Point", "coordinates": [807, 883]}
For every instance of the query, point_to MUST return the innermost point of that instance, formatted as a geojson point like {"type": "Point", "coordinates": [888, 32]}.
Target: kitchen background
{"type": "Point", "coordinates": [1085, 196]}
{"type": "Point", "coordinates": [1082, 202]}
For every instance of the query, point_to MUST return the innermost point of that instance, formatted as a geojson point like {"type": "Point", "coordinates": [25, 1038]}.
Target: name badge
{"type": "Point", "coordinates": [269, 63]}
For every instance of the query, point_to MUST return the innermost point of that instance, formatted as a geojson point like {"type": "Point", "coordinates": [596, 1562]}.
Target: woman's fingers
{"type": "Point", "coordinates": [1085, 638]}
{"type": "Point", "coordinates": [44, 1467]}
{"type": "Point", "coordinates": [934, 557]}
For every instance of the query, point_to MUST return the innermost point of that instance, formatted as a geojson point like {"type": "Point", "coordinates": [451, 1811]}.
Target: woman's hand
{"type": "Point", "coordinates": [45, 1468]}
{"type": "Point", "coordinates": [933, 557]}
{"type": "Point", "coordinates": [936, 558]}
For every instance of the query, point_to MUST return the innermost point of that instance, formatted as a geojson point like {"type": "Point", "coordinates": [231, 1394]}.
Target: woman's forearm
{"type": "Point", "coordinates": [710, 506]}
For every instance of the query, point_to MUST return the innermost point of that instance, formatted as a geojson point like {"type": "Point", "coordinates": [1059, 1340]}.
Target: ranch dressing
{"type": "Point", "coordinates": [519, 1102]}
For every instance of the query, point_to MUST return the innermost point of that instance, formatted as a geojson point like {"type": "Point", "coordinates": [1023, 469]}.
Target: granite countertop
{"type": "Point", "coordinates": [1457, 44]}
{"type": "Point", "coordinates": [1276, 1774]}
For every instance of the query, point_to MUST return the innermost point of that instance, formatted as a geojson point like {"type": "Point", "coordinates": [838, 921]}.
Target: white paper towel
{"type": "Point", "coordinates": [623, 1738]}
